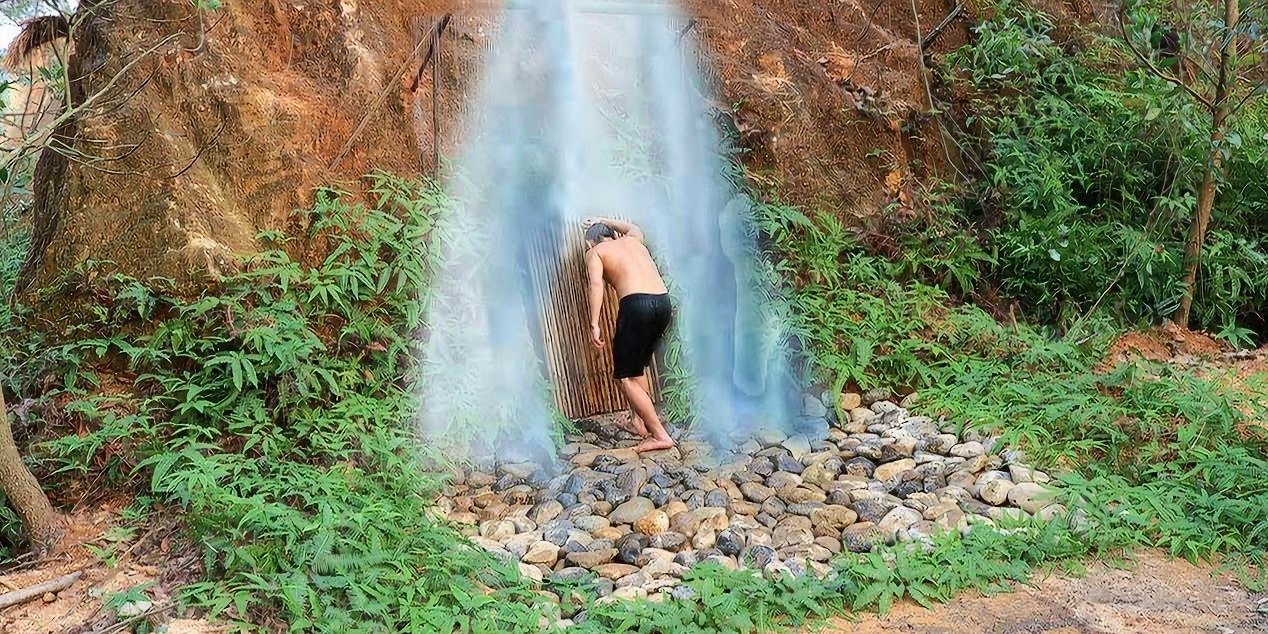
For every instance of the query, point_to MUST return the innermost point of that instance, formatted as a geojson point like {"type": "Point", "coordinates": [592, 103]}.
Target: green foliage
{"type": "Point", "coordinates": [1174, 453]}
{"type": "Point", "coordinates": [1090, 176]}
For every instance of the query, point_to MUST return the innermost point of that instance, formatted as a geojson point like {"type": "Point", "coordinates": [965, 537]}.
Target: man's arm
{"type": "Point", "coordinates": [594, 269]}
{"type": "Point", "coordinates": [628, 229]}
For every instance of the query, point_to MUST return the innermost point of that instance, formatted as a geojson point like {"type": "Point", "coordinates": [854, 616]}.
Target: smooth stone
{"type": "Point", "coordinates": [718, 497]}
{"type": "Point", "coordinates": [519, 544]}
{"type": "Point", "coordinates": [543, 553]}
{"type": "Point", "coordinates": [818, 475]}
{"type": "Point", "coordinates": [891, 470]}
{"type": "Point", "coordinates": [755, 492]}
{"type": "Point", "coordinates": [591, 523]}
{"type": "Point", "coordinates": [995, 492]}
{"type": "Point", "coordinates": [859, 466]}
{"type": "Point", "coordinates": [610, 533]}
{"type": "Point", "coordinates": [629, 512]}
{"type": "Point", "coordinates": [849, 401]}
{"type": "Point", "coordinates": [834, 516]}
{"type": "Point", "coordinates": [653, 523]}
{"type": "Point", "coordinates": [829, 543]}
{"type": "Point", "coordinates": [968, 450]}
{"type": "Point", "coordinates": [873, 395]}
{"type": "Point", "coordinates": [798, 446]}
{"type": "Point", "coordinates": [705, 538]}
{"type": "Point", "coordinates": [590, 559]}
{"type": "Point", "coordinates": [801, 495]}
{"type": "Point", "coordinates": [545, 511]}
{"type": "Point", "coordinates": [1030, 497]}
{"type": "Point", "coordinates": [1051, 513]}
{"type": "Point", "coordinates": [782, 480]}
{"type": "Point", "coordinates": [899, 519]}
{"type": "Point", "coordinates": [614, 571]}
{"type": "Point", "coordinates": [664, 568]}
{"type": "Point", "coordinates": [669, 540]}
{"type": "Point", "coordinates": [730, 542]}
{"type": "Point", "coordinates": [785, 462]}
{"type": "Point", "coordinates": [497, 530]}
{"type": "Point", "coordinates": [938, 444]}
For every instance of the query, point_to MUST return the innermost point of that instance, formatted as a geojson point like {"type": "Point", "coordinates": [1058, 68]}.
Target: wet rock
{"type": "Point", "coordinates": [669, 540]}
{"type": "Point", "coordinates": [629, 512]}
{"type": "Point", "coordinates": [632, 480]}
{"type": "Point", "coordinates": [785, 462]}
{"type": "Point", "coordinates": [538, 479]}
{"type": "Point", "coordinates": [566, 499]}
{"type": "Point", "coordinates": [761, 467]}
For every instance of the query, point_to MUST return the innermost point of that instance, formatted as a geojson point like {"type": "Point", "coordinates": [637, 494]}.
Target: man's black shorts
{"type": "Point", "coordinates": [640, 323]}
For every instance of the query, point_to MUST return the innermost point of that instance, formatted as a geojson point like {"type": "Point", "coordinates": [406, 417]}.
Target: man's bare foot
{"type": "Point", "coordinates": [633, 426]}
{"type": "Point", "coordinates": [654, 444]}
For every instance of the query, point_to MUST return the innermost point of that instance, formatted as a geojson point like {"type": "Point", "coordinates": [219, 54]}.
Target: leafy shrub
{"type": "Point", "coordinates": [1089, 179]}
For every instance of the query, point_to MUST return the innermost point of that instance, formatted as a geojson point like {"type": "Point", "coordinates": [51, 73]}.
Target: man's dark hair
{"type": "Point", "coordinates": [598, 231]}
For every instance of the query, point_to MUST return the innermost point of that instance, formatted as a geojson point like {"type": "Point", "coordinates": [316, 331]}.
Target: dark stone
{"type": "Point", "coordinates": [730, 542]}
{"type": "Point", "coordinates": [603, 587]}
{"type": "Point", "coordinates": [891, 453]}
{"type": "Point", "coordinates": [718, 498]}
{"type": "Point", "coordinates": [606, 463]}
{"type": "Point", "coordinates": [774, 507]}
{"type": "Point", "coordinates": [576, 484]}
{"type": "Point", "coordinates": [757, 556]}
{"type": "Point", "coordinates": [660, 497]}
{"type": "Point", "coordinates": [785, 462]}
{"type": "Point", "coordinates": [505, 482]}
{"type": "Point", "coordinates": [556, 532]}
{"type": "Point", "coordinates": [875, 394]}
{"type": "Point", "coordinates": [571, 574]}
{"type": "Point", "coordinates": [869, 451]}
{"type": "Point", "coordinates": [839, 497]}
{"type": "Point", "coordinates": [872, 510]}
{"type": "Point", "coordinates": [934, 482]}
{"type": "Point", "coordinates": [976, 507]}
{"type": "Point", "coordinates": [761, 467]}
{"type": "Point", "coordinates": [632, 480]}
{"type": "Point", "coordinates": [833, 465]}
{"type": "Point", "coordinates": [859, 467]}
{"type": "Point", "coordinates": [538, 479]}
{"type": "Point", "coordinates": [612, 492]}
{"type": "Point", "coordinates": [669, 540]}
{"type": "Point", "coordinates": [804, 508]}
{"type": "Point", "coordinates": [566, 499]}
{"type": "Point", "coordinates": [694, 500]}
{"type": "Point", "coordinates": [663, 481]}
{"type": "Point", "coordinates": [687, 558]}
{"type": "Point", "coordinates": [629, 547]}
{"type": "Point", "coordinates": [572, 547]}
{"type": "Point", "coordinates": [693, 481]}
{"type": "Point", "coordinates": [766, 520]}
{"type": "Point", "coordinates": [907, 487]}
{"type": "Point", "coordinates": [577, 510]}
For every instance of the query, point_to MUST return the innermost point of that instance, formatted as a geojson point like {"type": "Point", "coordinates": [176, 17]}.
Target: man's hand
{"type": "Point", "coordinates": [596, 336]}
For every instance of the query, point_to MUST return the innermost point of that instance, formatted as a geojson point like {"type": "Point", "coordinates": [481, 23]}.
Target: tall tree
{"type": "Point", "coordinates": [42, 524]}
{"type": "Point", "coordinates": [1216, 53]}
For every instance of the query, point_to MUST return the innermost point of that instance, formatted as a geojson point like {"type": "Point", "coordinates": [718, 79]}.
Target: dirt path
{"type": "Point", "coordinates": [1156, 596]}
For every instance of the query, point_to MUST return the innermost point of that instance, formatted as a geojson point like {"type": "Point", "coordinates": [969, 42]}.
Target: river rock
{"type": "Point", "coordinates": [629, 512]}
{"type": "Point", "coordinates": [757, 557]}
{"type": "Point", "coordinates": [590, 559]}
{"type": "Point", "coordinates": [873, 510]}
{"type": "Point", "coordinates": [629, 547]}
{"type": "Point", "coordinates": [755, 492]}
{"type": "Point", "coordinates": [543, 553]}
{"type": "Point", "coordinates": [1030, 497]}
{"type": "Point", "coordinates": [995, 491]}
{"type": "Point", "coordinates": [862, 537]}
{"type": "Point", "coordinates": [545, 511]}
{"type": "Point", "coordinates": [497, 530]}
{"type": "Point", "coordinates": [834, 517]}
{"type": "Point", "coordinates": [653, 523]}
{"type": "Point", "coordinates": [891, 470]}
{"type": "Point", "coordinates": [614, 571]}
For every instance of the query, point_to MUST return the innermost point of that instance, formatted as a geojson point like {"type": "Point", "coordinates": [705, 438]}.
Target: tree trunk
{"type": "Point", "coordinates": [1214, 163]}
{"type": "Point", "coordinates": [43, 525]}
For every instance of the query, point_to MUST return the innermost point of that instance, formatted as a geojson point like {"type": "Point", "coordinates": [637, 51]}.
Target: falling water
{"type": "Point", "coordinates": [593, 108]}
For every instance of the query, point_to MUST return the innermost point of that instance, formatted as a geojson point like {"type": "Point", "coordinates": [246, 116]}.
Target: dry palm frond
{"type": "Point", "coordinates": [36, 32]}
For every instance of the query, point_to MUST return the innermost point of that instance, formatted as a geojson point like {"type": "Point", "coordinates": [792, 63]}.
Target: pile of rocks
{"type": "Point", "coordinates": [786, 505]}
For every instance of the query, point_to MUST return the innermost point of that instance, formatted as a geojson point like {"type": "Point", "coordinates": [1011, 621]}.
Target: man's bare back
{"type": "Point", "coordinates": [628, 267]}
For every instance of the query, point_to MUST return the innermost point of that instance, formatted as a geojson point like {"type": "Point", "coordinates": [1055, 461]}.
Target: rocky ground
{"type": "Point", "coordinates": [632, 525]}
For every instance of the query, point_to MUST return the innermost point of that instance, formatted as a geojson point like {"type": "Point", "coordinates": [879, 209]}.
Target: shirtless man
{"type": "Point", "coordinates": [644, 314]}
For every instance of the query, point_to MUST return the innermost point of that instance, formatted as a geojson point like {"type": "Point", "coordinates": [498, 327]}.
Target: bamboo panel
{"type": "Point", "coordinates": [580, 375]}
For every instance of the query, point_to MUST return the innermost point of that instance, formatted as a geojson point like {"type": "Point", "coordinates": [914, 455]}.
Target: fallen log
{"type": "Point", "coordinates": [38, 590]}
